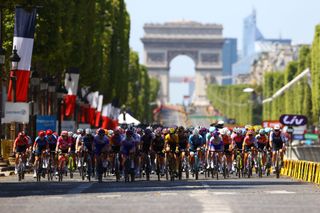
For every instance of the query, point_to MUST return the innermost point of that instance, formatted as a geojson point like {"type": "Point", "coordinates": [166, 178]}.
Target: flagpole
{"type": "Point", "coordinates": [2, 62]}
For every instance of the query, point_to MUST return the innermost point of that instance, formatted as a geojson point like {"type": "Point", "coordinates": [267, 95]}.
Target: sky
{"type": "Point", "coordinates": [294, 19]}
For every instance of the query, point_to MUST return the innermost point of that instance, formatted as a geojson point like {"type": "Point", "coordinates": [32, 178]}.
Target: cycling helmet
{"type": "Point", "coordinates": [41, 134]}
{"type": "Point", "coordinates": [101, 131]}
{"type": "Point", "coordinates": [139, 131]}
{"type": "Point", "coordinates": [262, 132]}
{"type": "Point", "coordinates": [196, 131]}
{"type": "Point", "coordinates": [147, 131]}
{"type": "Point", "coordinates": [221, 122]}
{"type": "Point", "coordinates": [250, 132]}
{"type": "Point", "coordinates": [64, 133]}
{"type": "Point", "coordinates": [158, 131]}
{"type": "Point", "coordinates": [21, 134]}
{"type": "Point", "coordinates": [70, 134]}
{"type": "Point", "coordinates": [172, 130]}
{"type": "Point", "coordinates": [110, 132]}
{"type": "Point", "coordinates": [212, 129]}
{"type": "Point", "coordinates": [79, 131]}
{"type": "Point", "coordinates": [224, 131]}
{"type": "Point", "coordinates": [277, 127]}
{"type": "Point", "coordinates": [49, 132]}
{"type": "Point", "coordinates": [202, 131]}
{"type": "Point", "coordinates": [129, 133]}
{"type": "Point", "coordinates": [88, 131]}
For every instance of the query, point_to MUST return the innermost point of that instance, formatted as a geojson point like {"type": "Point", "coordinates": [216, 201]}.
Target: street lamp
{"type": "Point", "coordinates": [14, 66]}
{"type": "Point", "coordinates": [51, 91]}
{"type": "Point", "coordinates": [43, 101]}
{"type": "Point", "coordinates": [34, 83]}
{"type": "Point", "coordinates": [61, 91]}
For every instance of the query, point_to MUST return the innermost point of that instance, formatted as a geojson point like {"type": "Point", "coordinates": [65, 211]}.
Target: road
{"type": "Point", "coordinates": [199, 121]}
{"type": "Point", "coordinates": [230, 195]}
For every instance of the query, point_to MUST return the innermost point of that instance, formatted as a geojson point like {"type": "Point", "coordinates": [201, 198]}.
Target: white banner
{"type": "Point", "coordinates": [69, 126]}
{"type": "Point", "coordinates": [16, 112]}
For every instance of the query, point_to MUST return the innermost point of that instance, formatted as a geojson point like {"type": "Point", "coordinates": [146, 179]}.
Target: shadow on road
{"type": "Point", "coordinates": [14, 189]}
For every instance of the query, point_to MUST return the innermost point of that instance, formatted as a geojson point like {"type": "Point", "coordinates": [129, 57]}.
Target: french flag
{"type": "Point", "coordinates": [71, 84]}
{"type": "Point", "coordinates": [99, 110]}
{"type": "Point", "coordinates": [93, 99]}
{"type": "Point", "coordinates": [24, 28]}
{"type": "Point", "coordinates": [106, 116]}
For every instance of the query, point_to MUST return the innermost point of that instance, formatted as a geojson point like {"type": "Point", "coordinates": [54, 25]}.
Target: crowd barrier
{"type": "Point", "coordinates": [302, 170]}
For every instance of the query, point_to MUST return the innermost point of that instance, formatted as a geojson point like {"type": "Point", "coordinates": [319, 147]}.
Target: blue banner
{"type": "Point", "coordinates": [45, 122]}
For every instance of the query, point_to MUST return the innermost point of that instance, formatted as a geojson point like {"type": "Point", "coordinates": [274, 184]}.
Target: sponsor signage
{"type": "Point", "coordinates": [16, 112]}
{"type": "Point", "coordinates": [69, 126]}
{"type": "Point", "coordinates": [270, 124]}
{"type": "Point", "coordinates": [290, 130]}
{"type": "Point", "coordinates": [45, 122]}
{"type": "Point", "coordinates": [310, 136]}
{"type": "Point", "coordinates": [84, 126]}
{"type": "Point", "coordinates": [293, 120]}
{"type": "Point", "coordinates": [298, 137]}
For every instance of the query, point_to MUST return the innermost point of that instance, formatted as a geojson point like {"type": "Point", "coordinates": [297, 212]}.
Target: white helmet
{"type": "Point", "coordinates": [277, 127]}
{"type": "Point", "coordinates": [224, 131]}
{"type": "Point", "coordinates": [221, 122]}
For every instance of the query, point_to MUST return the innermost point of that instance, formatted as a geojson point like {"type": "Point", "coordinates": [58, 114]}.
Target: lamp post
{"type": "Point", "coordinates": [15, 61]}
{"type": "Point", "coordinates": [61, 91]}
{"type": "Point", "coordinates": [51, 91]}
{"type": "Point", "coordinates": [137, 90]}
{"type": "Point", "coordinates": [256, 105]}
{"type": "Point", "coordinates": [34, 83]}
{"type": "Point", "coordinates": [43, 102]}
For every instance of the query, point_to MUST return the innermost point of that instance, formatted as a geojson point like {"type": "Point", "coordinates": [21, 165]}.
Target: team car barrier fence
{"type": "Point", "coordinates": [302, 170]}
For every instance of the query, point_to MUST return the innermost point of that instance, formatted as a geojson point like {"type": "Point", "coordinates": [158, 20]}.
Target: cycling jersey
{"type": "Point", "coordinates": [172, 141]}
{"type": "Point", "coordinates": [277, 141]}
{"type": "Point", "coordinates": [215, 144]}
{"type": "Point", "coordinates": [127, 145]}
{"type": "Point", "coordinates": [158, 144]}
{"type": "Point", "coordinates": [146, 142]}
{"type": "Point", "coordinates": [249, 142]}
{"type": "Point", "coordinates": [87, 142]}
{"type": "Point", "coordinates": [99, 143]}
{"type": "Point", "coordinates": [21, 144]}
{"type": "Point", "coordinates": [226, 139]}
{"type": "Point", "coordinates": [195, 142]}
{"type": "Point", "coordinates": [183, 141]}
{"type": "Point", "coordinates": [41, 144]}
{"type": "Point", "coordinates": [262, 141]}
{"type": "Point", "coordinates": [63, 144]}
{"type": "Point", "coordinates": [52, 140]}
{"type": "Point", "coordinates": [115, 142]}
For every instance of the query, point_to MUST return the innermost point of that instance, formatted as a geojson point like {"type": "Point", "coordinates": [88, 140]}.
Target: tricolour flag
{"type": "Point", "coordinates": [71, 84]}
{"type": "Point", "coordinates": [99, 110]}
{"type": "Point", "coordinates": [24, 28]}
{"type": "Point", "coordinates": [106, 116]}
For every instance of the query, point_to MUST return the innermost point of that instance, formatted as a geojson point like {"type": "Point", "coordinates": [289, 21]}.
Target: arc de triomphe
{"type": "Point", "coordinates": [201, 42]}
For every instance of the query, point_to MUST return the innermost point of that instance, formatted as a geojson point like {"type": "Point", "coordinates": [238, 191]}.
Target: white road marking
{"type": "Point", "coordinates": [80, 188]}
{"type": "Point", "coordinates": [225, 193]}
{"type": "Point", "coordinates": [209, 201]}
{"type": "Point", "coordinates": [279, 192]}
{"type": "Point", "coordinates": [108, 196]}
{"type": "Point", "coordinates": [168, 194]}
{"type": "Point", "coordinates": [54, 197]}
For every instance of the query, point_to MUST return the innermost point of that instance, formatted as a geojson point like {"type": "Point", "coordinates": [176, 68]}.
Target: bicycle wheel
{"type": "Point", "coordinates": [278, 165]}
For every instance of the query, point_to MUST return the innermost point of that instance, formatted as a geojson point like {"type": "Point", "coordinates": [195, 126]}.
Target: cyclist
{"type": "Point", "coordinates": [172, 147]}
{"type": "Point", "coordinates": [101, 145]}
{"type": "Point", "coordinates": [227, 141]}
{"type": "Point", "coordinates": [128, 146]}
{"type": "Point", "coordinates": [183, 142]}
{"type": "Point", "coordinates": [115, 142]}
{"type": "Point", "coordinates": [63, 147]}
{"type": "Point", "coordinates": [52, 140]}
{"type": "Point", "coordinates": [146, 141]}
{"type": "Point", "coordinates": [20, 146]}
{"type": "Point", "coordinates": [84, 147]}
{"type": "Point", "coordinates": [158, 146]}
{"type": "Point", "coordinates": [277, 142]}
{"type": "Point", "coordinates": [40, 145]}
{"type": "Point", "coordinates": [262, 144]}
{"type": "Point", "coordinates": [249, 143]}
{"type": "Point", "coordinates": [215, 145]}
{"type": "Point", "coordinates": [195, 145]}
{"type": "Point", "coordinates": [237, 142]}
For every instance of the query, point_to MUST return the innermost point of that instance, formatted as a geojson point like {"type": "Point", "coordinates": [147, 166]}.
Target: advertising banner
{"type": "Point", "coordinates": [16, 112]}
{"type": "Point", "coordinates": [45, 122]}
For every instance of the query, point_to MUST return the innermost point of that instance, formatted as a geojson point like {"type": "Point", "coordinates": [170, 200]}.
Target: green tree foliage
{"type": "Point", "coordinates": [232, 102]}
{"type": "Point", "coordinates": [315, 75]}
{"type": "Point", "coordinates": [93, 36]}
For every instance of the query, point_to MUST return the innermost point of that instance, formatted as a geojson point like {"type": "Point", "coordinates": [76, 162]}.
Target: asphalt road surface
{"type": "Point", "coordinates": [231, 195]}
